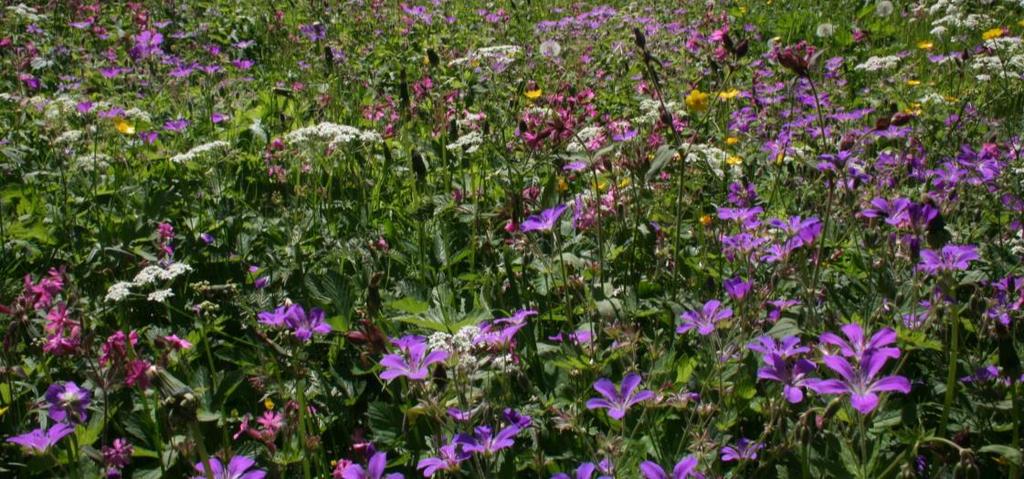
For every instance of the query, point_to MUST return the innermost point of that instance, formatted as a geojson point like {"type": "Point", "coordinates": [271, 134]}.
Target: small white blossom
{"type": "Point", "coordinates": [160, 295]}
{"type": "Point", "coordinates": [118, 291]}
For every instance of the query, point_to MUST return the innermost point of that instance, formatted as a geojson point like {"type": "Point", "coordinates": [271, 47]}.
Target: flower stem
{"type": "Point", "coordinates": [954, 351]}
{"type": "Point", "coordinates": [301, 393]}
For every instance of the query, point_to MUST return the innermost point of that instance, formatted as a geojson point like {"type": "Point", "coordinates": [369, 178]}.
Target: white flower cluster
{"type": "Point", "coordinates": [333, 133]}
{"type": "Point", "coordinates": [951, 15]}
{"type": "Point", "coordinates": [468, 357]}
{"type": "Point", "coordinates": [715, 158]}
{"type": "Point", "coordinates": [875, 64]}
{"type": "Point", "coordinates": [149, 275]}
{"type": "Point", "coordinates": [585, 136]}
{"type": "Point", "coordinates": [199, 150]}
{"type": "Point", "coordinates": [92, 161]}
{"type": "Point", "coordinates": [69, 137]}
{"type": "Point", "coordinates": [26, 13]}
{"type": "Point", "coordinates": [1005, 61]}
{"type": "Point", "coordinates": [651, 111]}
{"type": "Point", "coordinates": [499, 53]}
{"type": "Point", "coordinates": [469, 143]}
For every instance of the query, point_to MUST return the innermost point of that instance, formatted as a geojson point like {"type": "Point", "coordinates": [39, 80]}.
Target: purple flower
{"type": "Point", "coordinates": [766, 345]}
{"type": "Point", "coordinates": [207, 238]}
{"type": "Point", "coordinates": [793, 376]}
{"type": "Point", "coordinates": [414, 366]}
{"type": "Point", "coordinates": [951, 258]}
{"type": "Point", "coordinates": [857, 345]}
{"type": "Point", "coordinates": [68, 402]}
{"type": "Point", "coordinates": [502, 331]}
{"type": "Point", "coordinates": [448, 459]}
{"type": "Point", "coordinates": [295, 318]}
{"type": "Point", "coordinates": [543, 221]}
{"type": "Point", "coordinates": [147, 43]}
{"type": "Point", "coordinates": [38, 441]}
{"type": "Point", "coordinates": [261, 282]}
{"type": "Point", "coordinates": [217, 117]}
{"type": "Point", "coordinates": [705, 319]}
{"type": "Point", "coordinates": [737, 288]}
{"type": "Point", "coordinates": [118, 454]}
{"type": "Point", "coordinates": [860, 383]}
{"type": "Point", "coordinates": [584, 471]}
{"type": "Point", "coordinates": [240, 467]}
{"type": "Point", "coordinates": [487, 443]}
{"type": "Point", "coordinates": [618, 401]}
{"type": "Point", "coordinates": [743, 450]}
{"type": "Point", "coordinates": [176, 126]}
{"type": "Point", "coordinates": [748, 217]}
{"type": "Point", "coordinates": [686, 467]}
{"type": "Point", "coordinates": [374, 469]}
{"type": "Point", "coordinates": [802, 232]}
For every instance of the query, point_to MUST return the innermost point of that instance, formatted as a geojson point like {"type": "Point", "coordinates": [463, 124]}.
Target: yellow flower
{"type": "Point", "coordinates": [705, 220]}
{"type": "Point", "coordinates": [734, 160]}
{"type": "Point", "coordinates": [533, 94]}
{"type": "Point", "coordinates": [993, 33]}
{"type": "Point", "coordinates": [913, 82]}
{"type": "Point", "coordinates": [124, 127]}
{"type": "Point", "coordinates": [1020, 22]}
{"type": "Point", "coordinates": [731, 140]}
{"type": "Point", "coordinates": [697, 100]}
{"type": "Point", "coordinates": [779, 157]}
{"type": "Point", "coordinates": [728, 94]}
{"type": "Point", "coordinates": [624, 183]}
{"type": "Point", "coordinates": [562, 185]}
{"type": "Point", "coordinates": [925, 45]}
{"type": "Point", "coordinates": [950, 99]}
{"type": "Point", "coordinates": [268, 403]}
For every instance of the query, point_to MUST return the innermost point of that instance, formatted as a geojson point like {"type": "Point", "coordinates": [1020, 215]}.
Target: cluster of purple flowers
{"type": "Point", "coordinates": [304, 325]}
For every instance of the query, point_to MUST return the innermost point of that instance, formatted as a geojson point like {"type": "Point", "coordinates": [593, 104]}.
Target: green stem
{"type": "Point", "coordinates": [954, 352]}
{"type": "Point", "coordinates": [301, 393]}
{"type": "Point", "coordinates": [197, 437]}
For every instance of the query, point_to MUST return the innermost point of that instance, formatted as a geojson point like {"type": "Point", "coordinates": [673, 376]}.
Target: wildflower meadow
{"type": "Point", "coordinates": [361, 239]}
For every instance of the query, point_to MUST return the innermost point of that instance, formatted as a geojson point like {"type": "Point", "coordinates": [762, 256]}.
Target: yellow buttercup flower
{"type": "Point", "coordinates": [705, 220]}
{"type": "Point", "coordinates": [533, 94]}
{"type": "Point", "coordinates": [562, 185]}
{"type": "Point", "coordinates": [913, 82]}
{"type": "Point", "coordinates": [697, 100]}
{"type": "Point", "coordinates": [925, 45]}
{"type": "Point", "coordinates": [124, 128]}
{"type": "Point", "coordinates": [268, 403]}
{"type": "Point", "coordinates": [734, 160]}
{"type": "Point", "coordinates": [624, 183]}
{"type": "Point", "coordinates": [731, 140]}
{"type": "Point", "coordinates": [993, 33]}
{"type": "Point", "coordinates": [728, 94]}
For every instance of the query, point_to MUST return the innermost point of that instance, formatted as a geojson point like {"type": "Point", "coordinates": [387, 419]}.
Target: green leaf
{"type": "Point", "coordinates": [410, 305]}
{"type": "Point", "coordinates": [1007, 452]}
{"type": "Point", "coordinates": [661, 158]}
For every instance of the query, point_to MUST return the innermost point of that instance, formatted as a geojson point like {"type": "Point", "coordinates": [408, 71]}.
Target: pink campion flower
{"type": "Point", "coordinates": [414, 365]}
{"type": "Point", "coordinates": [951, 258]}
{"type": "Point", "coordinates": [115, 349]}
{"type": "Point", "coordinates": [39, 441]}
{"type": "Point", "coordinates": [177, 343]}
{"type": "Point", "coordinates": [618, 401]}
{"type": "Point", "coordinates": [704, 321]}
{"type": "Point", "coordinates": [272, 422]}
{"type": "Point", "coordinates": [860, 383]}
{"type": "Point", "coordinates": [685, 468]}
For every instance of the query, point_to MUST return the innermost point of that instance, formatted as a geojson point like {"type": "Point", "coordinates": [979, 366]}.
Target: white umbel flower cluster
{"type": "Point", "coordinates": [468, 357]}
{"type": "Point", "coordinates": [498, 53]}
{"type": "Point", "coordinates": [333, 133]}
{"type": "Point", "coordinates": [715, 158]}
{"type": "Point", "coordinates": [875, 64]}
{"type": "Point", "coordinates": [1005, 60]}
{"type": "Point", "coordinates": [584, 137]}
{"type": "Point", "coordinates": [195, 152]}
{"type": "Point", "coordinates": [469, 143]}
{"type": "Point", "coordinates": [118, 291]}
{"type": "Point", "coordinates": [160, 295]}
{"type": "Point", "coordinates": [149, 275]}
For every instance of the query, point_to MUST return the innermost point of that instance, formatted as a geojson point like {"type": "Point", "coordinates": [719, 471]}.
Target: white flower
{"type": "Point", "coordinates": [550, 49]}
{"type": "Point", "coordinates": [883, 8]}
{"type": "Point", "coordinates": [825, 30]}
{"type": "Point", "coordinates": [875, 63]}
{"type": "Point", "coordinates": [118, 291]}
{"type": "Point", "coordinates": [160, 295]}
{"type": "Point", "coordinates": [333, 133]}
{"type": "Point", "coordinates": [470, 142]}
{"type": "Point", "coordinates": [199, 150]}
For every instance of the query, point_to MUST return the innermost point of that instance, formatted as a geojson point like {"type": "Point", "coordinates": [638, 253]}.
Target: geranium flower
{"type": "Point", "coordinates": [617, 401]}
{"type": "Point", "coordinates": [860, 383]}
{"type": "Point", "coordinates": [544, 221]}
{"type": "Point", "coordinates": [448, 459]}
{"type": "Point", "coordinates": [240, 467]}
{"type": "Point", "coordinates": [951, 258]}
{"type": "Point", "coordinates": [686, 467]}
{"type": "Point", "coordinates": [414, 366]}
{"type": "Point", "coordinates": [374, 469]}
{"type": "Point", "coordinates": [705, 319]}
{"type": "Point", "coordinates": [484, 441]}
{"type": "Point", "coordinates": [793, 376]}
{"type": "Point", "coordinates": [39, 441]}
{"type": "Point", "coordinates": [295, 318]}
{"type": "Point", "coordinates": [743, 450]}
{"type": "Point", "coordinates": [68, 402]}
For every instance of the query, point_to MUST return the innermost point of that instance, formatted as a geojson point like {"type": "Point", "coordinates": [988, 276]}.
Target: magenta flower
{"type": "Point", "coordinates": [414, 366]}
{"type": "Point", "coordinates": [502, 331]}
{"type": "Point", "coordinates": [38, 441]}
{"type": "Point", "coordinates": [374, 469]}
{"type": "Point", "coordinates": [705, 319]}
{"type": "Point", "coordinates": [240, 467]}
{"type": "Point", "coordinates": [686, 467]}
{"type": "Point", "coordinates": [295, 318]}
{"type": "Point", "coordinates": [860, 383]}
{"type": "Point", "coordinates": [951, 258]}
{"type": "Point", "coordinates": [68, 402]}
{"type": "Point", "coordinates": [618, 401]}
{"type": "Point", "coordinates": [743, 450]}
{"type": "Point", "coordinates": [543, 221]}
